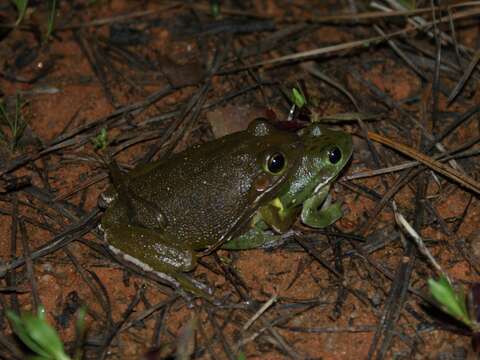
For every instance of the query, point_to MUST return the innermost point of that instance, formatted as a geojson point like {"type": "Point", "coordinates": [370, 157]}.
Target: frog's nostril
{"type": "Point", "coordinates": [262, 183]}
{"type": "Point", "coordinates": [296, 145]}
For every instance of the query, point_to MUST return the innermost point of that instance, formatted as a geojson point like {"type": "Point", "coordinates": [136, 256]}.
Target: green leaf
{"type": "Point", "coordinates": [21, 6]}
{"type": "Point", "coordinates": [215, 8]}
{"type": "Point", "coordinates": [100, 142]}
{"type": "Point", "coordinates": [408, 4]}
{"type": "Point", "coordinates": [44, 335]}
{"type": "Point", "coordinates": [51, 17]}
{"type": "Point", "coordinates": [80, 332]}
{"type": "Point", "coordinates": [15, 123]}
{"type": "Point", "coordinates": [298, 98]}
{"type": "Point", "coordinates": [20, 330]}
{"type": "Point", "coordinates": [241, 356]}
{"type": "Point", "coordinates": [38, 335]}
{"type": "Point", "coordinates": [80, 324]}
{"type": "Point", "coordinates": [452, 302]}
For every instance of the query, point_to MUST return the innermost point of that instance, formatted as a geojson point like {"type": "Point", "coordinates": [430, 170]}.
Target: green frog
{"type": "Point", "coordinates": [226, 192]}
{"type": "Point", "coordinates": [305, 194]}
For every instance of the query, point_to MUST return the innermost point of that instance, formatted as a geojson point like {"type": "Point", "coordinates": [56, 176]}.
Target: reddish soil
{"type": "Point", "coordinates": [95, 70]}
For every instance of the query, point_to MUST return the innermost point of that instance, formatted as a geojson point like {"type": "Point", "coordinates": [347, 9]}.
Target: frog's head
{"type": "Point", "coordinates": [276, 155]}
{"type": "Point", "coordinates": [325, 154]}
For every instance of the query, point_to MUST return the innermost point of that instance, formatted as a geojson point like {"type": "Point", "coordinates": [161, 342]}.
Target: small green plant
{"type": "Point", "coordinates": [464, 307]}
{"type": "Point", "coordinates": [451, 301]}
{"type": "Point", "coordinates": [298, 98]}
{"type": "Point", "coordinates": [38, 335]}
{"type": "Point", "coordinates": [41, 338]}
{"type": "Point", "coordinates": [100, 142]}
{"type": "Point", "coordinates": [298, 110]}
{"type": "Point", "coordinates": [215, 8]}
{"type": "Point", "coordinates": [408, 4]}
{"type": "Point", "coordinates": [80, 329]}
{"type": "Point", "coordinates": [15, 123]}
{"type": "Point", "coordinates": [51, 17]}
{"type": "Point", "coordinates": [21, 6]}
{"type": "Point", "coordinates": [241, 356]}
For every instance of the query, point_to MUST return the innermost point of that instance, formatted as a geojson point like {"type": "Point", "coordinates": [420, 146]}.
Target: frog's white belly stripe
{"type": "Point", "coordinates": [142, 265]}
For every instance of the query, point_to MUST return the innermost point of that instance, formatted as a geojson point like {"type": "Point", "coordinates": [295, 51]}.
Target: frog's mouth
{"type": "Point", "coordinates": [321, 185]}
{"type": "Point", "coordinates": [325, 185]}
{"type": "Point", "coordinates": [318, 187]}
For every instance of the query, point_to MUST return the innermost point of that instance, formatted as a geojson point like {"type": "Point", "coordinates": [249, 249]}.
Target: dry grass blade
{"type": "Point", "coordinates": [119, 18]}
{"type": "Point", "coordinates": [364, 42]}
{"type": "Point", "coordinates": [447, 171]}
{"type": "Point", "coordinates": [331, 49]}
{"type": "Point", "coordinates": [464, 78]}
{"type": "Point", "coordinates": [374, 15]}
{"type": "Point", "coordinates": [260, 312]}
{"type": "Point", "coordinates": [312, 69]}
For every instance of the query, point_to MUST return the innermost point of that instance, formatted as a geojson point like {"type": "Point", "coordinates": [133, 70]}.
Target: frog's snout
{"type": "Point", "coordinates": [262, 183]}
{"type": "Point", "coordinates": [297, 145]}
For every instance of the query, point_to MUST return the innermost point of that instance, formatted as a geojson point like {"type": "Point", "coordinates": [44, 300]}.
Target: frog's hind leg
{"type": "Point", "coordinates": [146, 248]}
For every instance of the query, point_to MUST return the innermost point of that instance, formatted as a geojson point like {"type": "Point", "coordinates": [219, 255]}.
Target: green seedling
{"type": "Point", "coordinates": [298, 98]}
{"type": "Point", "coordinates": [52, 5]}
{"type": "Point", "coordinates": [215, 8]}
{"type": "Point", "coordinates": [100, 142]}
{"type": "Point", "coordinates": [15, 123]}
{"type": "Point", "coordinates": [80, 330]}
{"type": "Point", "coordinates": [241, 356]}
{"type": "Point", "coordinates": [451, 301]}
{"type": "Point", "coordinates": [408, 4]}
{"type": "Point", "coordinates": [21, 6]}
{"type": "Point", "coordinates": [454, 302]}
{"type": "Point", "coordinates": [298, 110]}
{"type": "Point", "coordinates": [38, 335]}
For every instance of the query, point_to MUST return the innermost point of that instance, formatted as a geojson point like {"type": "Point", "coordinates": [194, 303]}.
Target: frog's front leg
{"type": "Point", "coordinates": [153, 251]}
{"type": "Point", "coordinates": [271, 216]}
{"type": "Point", "coordinates": [252, 239]}
{"type": "Point", "coordinates": [277, 216]}
{"type": "Point", "coordinates": [318, 212]}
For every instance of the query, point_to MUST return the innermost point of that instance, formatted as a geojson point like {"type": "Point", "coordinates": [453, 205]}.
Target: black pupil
{"type": "Point", "coordinates": [276, 163]}
{"type": "Point", "coordinates": [334, 155]}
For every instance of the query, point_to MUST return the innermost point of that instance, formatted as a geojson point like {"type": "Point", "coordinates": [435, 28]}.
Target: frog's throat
{"type": "Point", "coordinates": [276, 202]}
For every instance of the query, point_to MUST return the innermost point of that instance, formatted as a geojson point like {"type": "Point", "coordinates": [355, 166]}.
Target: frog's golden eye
{"type": "Point", "coordinates": [276, 163]}
{"type": "Point", "coordinates": [334, 155]}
